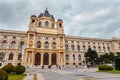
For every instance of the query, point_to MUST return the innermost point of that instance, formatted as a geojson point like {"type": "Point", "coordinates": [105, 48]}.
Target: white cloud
{"type": "Point", "coordinates": [89, 18]}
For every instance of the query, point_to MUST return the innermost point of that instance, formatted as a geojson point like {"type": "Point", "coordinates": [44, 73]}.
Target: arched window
{"type": "Point", "coordinates": [37, 59]}
{"type": "Point", "coordinates": [66, 47]}
{"type": "Point", "coordinates": [60, 25]}
{"type": "Point", "coordinates": [104, 49]}
{"type": "Point", "coordinates": [89, 47]}
{"type": "Point", "coordinates": [46, 45]}
{"type": "Point", "coordinates": [39, 24]}
{"type": "Point", "coordinates": [84, 48]}
{"type": "Point", "coordinates": [53, 26]}
{"type": "Point", "coordinates": [78, 47]}
{"type": "Point", "coordinates": [99, 49]}
{"type": "Point", "coordinates": [46, 23]}
{"type": "Point", "coordinates": [79, 57]}
{"type": "Point", "coordinates": [72, 48]}
{"type": "Point", "coordinates": [73, 63]}
{"type": "Point", "coordinates": [94, 47]}
{"type": "Point", "coordinates": [19, 56]}
{"type": "Point", "coordinates": [53, 59]}
{"type": "Point", "coordinates": [54, 45]}
{"type": "Point", "coordinates": [21, 45]}
{"type": "Point", "coordinates": [4, 44]}
{"type": "Point", "coordinates": [13, 44]}
{"type": "Point", "coordinates": [108, 49]}
{"type": "Point", "coordinates": [46, 59]}
{"type": "Point", "coordinates": [73, 57]}
{"type": "Point", "coordinates": [67, 57]}
{"type": "Point", "coordinates": [33, 21]}
{"type": "Point", "coordinates": [38, 45]}
{"type": "Point", "coordinates": [10, 56]}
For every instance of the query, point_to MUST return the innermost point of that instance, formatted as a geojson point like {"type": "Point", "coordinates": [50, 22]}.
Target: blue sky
{"type": "Point", "coordinates": [86, 18]}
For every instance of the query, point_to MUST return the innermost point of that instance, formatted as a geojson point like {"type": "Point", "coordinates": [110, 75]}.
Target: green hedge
{"type": "Point", "coordinates": [117, 64]}
{"type": "Point", "coordinates": [3, 75]}
{"type": "Point", "coordinates": [105, 67]}
{"type": "Point", "coordinates": [19, 69]}
{"type": "Point", "coordinates": [9, 68]}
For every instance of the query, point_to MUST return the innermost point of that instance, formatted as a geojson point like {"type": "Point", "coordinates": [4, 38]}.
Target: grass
{"type": "Point", "coordinates": [16, 77]}
{"type": "Point", "coordinates": [112, 71]}
{"type": "Point", "coordinates": [35, 77]}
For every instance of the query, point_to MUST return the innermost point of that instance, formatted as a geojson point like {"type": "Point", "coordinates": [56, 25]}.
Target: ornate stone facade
{"type": "Point", "coordinates": [46, 44]}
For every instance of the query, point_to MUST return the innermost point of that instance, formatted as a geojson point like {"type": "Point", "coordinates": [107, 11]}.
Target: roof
{"type": "Point", "coordinates": [86, 38]}
{"type": "Point", "coordinates": [12, 31]}
{"type": "Point", "coordinates": [46, 14]}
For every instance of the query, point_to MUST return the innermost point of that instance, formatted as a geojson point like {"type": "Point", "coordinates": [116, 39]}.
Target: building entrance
{"type": "Point", "coordinates": [46, 59]}
{"type": "Point", "coordinates": [37, 59]}
{"type": "Point", "coordinates": [54, 59]}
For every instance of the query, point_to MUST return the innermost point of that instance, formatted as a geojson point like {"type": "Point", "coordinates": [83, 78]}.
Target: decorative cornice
{"type": "Point", "coordinates": [88, 38]}
{"type": "Point", "coordinates": [13, 31]}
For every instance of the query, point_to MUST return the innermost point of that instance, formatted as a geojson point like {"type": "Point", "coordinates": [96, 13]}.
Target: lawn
{"type": "Point", "coordinates": [16, 77]}
{"type": "Point", "coordinates": [112, 71]}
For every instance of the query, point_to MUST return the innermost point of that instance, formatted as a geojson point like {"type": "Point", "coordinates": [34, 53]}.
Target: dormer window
{"type": "Point", "coordinates": [33, 21]}
{"type": "Point", "coordinates": [60, 25]}
{"type": "Point", "coordinates": [46, 23]}
{"type": "Point", "coordinates": [14, 37]}
{"type": "Point", "coordinates": [39, 24]}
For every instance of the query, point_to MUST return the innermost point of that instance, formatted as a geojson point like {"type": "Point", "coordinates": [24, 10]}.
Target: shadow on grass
{"type": "Point", "coordinates": [111, 71]}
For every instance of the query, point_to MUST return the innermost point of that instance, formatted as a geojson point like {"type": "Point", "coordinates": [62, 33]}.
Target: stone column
{"type": "Point", "coordinates": [6, 57]}
{"type": "Point", "coordinates": [58, 58]}
{"type": "Point", "coordinates": [28, 37]}
{"type": "Point", "coordinates": [49, 58]}
{"type": "Point", "coordinates": [71, 59]}
{"type": "Point", "coordinates": [25, 58]}
{"type": "Point", "coordinates": [32, 60]}
{"type": "Point", "coordinates": [41, 58]}
{"type": "Point", "coordinates": [64, 59]}
{"type": "Point", "coordinates": [61, 58]}
{"type": "Point", "coordinates": [76, 59]}
{"type": "Point", "coordinates": [15, 58]}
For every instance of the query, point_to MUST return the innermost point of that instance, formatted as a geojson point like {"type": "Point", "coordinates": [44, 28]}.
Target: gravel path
{"type": "Point", "coordinates": [71, 74]}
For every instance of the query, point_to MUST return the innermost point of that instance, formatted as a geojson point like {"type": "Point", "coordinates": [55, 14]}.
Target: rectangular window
{"type": "Point", "coordinates": [14, 37]}
{"type": "Point", "coordinates": [54, 38]}
{"type": "Point", "coordinates": [5, 37]}
{"type": "Point", "coordinates": [46, 38]}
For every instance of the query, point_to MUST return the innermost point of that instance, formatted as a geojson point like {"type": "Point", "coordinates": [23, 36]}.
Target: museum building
{"type": "Point", "coordinates": [46, 44]}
